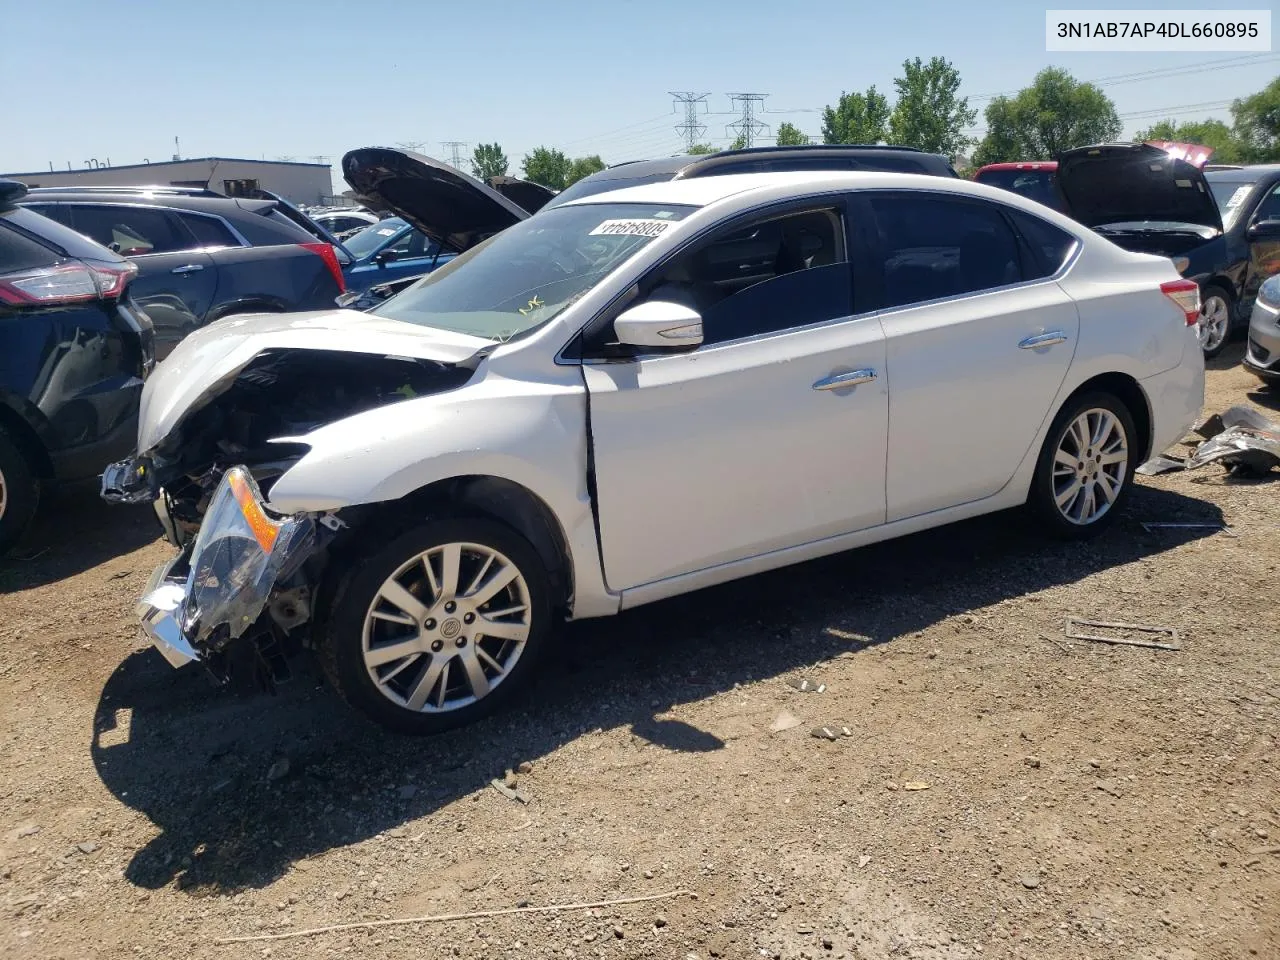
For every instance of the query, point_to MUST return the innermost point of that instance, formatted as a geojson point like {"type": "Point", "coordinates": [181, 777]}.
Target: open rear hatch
{"type": "Point", "coordinates": [1133, 183]}
{"type": "Point", "coordinates": [443, 202]}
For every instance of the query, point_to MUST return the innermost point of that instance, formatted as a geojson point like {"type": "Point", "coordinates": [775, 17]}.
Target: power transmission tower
{"type": "Point", "coordinates": [319, 157]}
{"type": "Point", "coordinates": [455, 151]}
{"type": "Point", "coordinates": [747, 127]}
{"type": "Point", "coordinates": [414, 145]}
{"type": "Point", "coordinates": [691, 130]}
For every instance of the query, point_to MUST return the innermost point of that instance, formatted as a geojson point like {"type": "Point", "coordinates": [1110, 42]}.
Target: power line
{"type": "Point", "coordinates": [747, 126]}
{"type": "Point", "coordinates": [455, 150]}
{"type": "Point", "coordinates": [414, 145]}
{"type": "Point", "coordinates": [691, 130]}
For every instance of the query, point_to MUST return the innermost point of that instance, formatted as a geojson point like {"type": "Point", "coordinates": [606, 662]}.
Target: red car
{"type": "Point", "coordinates": [1034, 179]}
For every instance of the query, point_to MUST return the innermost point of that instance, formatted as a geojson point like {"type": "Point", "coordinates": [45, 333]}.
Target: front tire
{"type": "Point", "coordinates": [1086, 466]}
{"type": "Point", "coordinates": [439, 627]}
{"type": "Point", "coordinates": [1214, 328]}
{"type": "Point", "coordinates": [19, 492]}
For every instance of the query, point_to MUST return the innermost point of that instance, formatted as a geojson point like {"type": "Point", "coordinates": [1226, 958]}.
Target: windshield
{"type": "Point", "coordinates": [374, 236]}
{"type": "Point", "coordinates": [526, 275]}
{"type": "Point", "coordinates": [1229, 194]}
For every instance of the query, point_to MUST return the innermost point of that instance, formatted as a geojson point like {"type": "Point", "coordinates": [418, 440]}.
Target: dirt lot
{"type": "Point", "coordinates": [1083, 800]}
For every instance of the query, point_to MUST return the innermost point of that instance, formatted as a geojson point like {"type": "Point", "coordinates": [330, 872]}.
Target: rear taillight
{"type": "Point", "coordinates": [66, 283]}
{"type": "Point", "coordinates": [1186, 294]}
{"type": "Point", "coordinates": [330, 258]}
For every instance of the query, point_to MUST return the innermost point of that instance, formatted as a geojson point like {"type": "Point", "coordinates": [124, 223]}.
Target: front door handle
{"type": "Point", "coordinates": [851, 379]}
{"type": "Point", "coordinates": [189, 268]}
{"type": "Point", "coordinates": [1043, 340]}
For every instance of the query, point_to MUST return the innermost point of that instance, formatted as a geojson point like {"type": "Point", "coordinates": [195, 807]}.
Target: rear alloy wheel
{"type": "Point", "coordinates": [1086, 467]}
{"type": "Point", "coordinates": [1215, 321]}
{"type": "Point", "coordinates": [19, 492]}
{"type": "Point", "coordinates": [440, 626]}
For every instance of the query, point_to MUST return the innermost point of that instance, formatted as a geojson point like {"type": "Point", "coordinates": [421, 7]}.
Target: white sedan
{"type": "Point", "coordinates": [637, 395]}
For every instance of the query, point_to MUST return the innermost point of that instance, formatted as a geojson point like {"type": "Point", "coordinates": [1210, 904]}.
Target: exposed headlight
{"type": "Point", "coordinates": [1181, 264]}
{"type": "Point", "coordinates": [1269, 292]}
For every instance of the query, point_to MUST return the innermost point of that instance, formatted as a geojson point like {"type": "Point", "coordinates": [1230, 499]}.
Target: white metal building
{"type": "Point", "coordinates": [299, 183]}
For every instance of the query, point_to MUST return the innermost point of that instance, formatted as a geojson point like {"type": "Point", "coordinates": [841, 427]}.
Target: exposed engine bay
{"type": "Point", "coordinates": [280, 394]}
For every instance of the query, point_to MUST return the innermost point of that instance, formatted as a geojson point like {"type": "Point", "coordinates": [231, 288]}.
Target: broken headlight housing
{"type": "Point", "coordinates": [239, 554]}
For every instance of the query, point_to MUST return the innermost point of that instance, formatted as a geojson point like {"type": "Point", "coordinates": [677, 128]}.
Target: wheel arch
{"type": "Point", "coordinates": [24, 435]}
{"type": "Point", "coordinates": [1127, 390]}
{"type": "Point", "coordinates": [496, 498]}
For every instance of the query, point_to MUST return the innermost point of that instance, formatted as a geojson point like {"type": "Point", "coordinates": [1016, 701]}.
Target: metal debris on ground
{"type": "Point", "coordinates": [1074, 624]}
{"type": "Point", "coordinates": [1241, 439]}
{"type": "Point", "coordinates": [1153, 526]}
{"type": "Point", "coordinates": [915, 785]}
{"type": "Point", "coordinates": [807, 686]}
{"type": "Point", "coordinates": [508, 792]}
{"type": "Point", "coordinates": [1162, 464]}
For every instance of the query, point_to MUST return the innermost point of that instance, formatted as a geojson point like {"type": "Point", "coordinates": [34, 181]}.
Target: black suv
{"type": "Point", "coordinates": [887, 159]}
{"type": "Point", "coordinates": [74, 350]}
{"type": "Point", "coordinates": [201, 255]}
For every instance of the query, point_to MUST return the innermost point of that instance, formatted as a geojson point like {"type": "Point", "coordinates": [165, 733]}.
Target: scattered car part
{"type": "Point", "coordinates": [1075, 623]}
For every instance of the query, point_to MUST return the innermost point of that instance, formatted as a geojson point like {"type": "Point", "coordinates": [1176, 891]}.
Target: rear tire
{"type": "Point", "coordinates": [1085, 469]}
{"type": "Point", "coordinates": [19, 492]}
{"type": "Point", "coordinates": [418, 655]}
{"type": "Point", "coordinates": [1215, 320]}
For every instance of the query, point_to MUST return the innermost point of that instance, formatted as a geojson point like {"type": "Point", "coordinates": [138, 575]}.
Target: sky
{"type": "Point", "coordinates": [291, 79]}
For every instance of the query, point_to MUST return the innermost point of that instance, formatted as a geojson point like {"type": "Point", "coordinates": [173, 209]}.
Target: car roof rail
{"type": "Point", "coordinates": [130, 189]}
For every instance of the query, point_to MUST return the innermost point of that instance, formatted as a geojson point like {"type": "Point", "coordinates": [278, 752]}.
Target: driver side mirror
{"type": "Point", "coordinates": [1264, 230]}
{"type": "Point", "coordinates": [659, 324]}
{"type": "Point", "coordinates": [386, 256]}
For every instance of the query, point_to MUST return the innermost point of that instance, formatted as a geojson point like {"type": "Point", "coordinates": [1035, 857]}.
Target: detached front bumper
{"type": "Point", "coordinates": [215, 590]}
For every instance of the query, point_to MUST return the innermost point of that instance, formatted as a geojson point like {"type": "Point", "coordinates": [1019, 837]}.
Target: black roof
{"type": "Point", "coordinates": [691, 164]}
{"type": "Point", "coordinates": [212, 203]}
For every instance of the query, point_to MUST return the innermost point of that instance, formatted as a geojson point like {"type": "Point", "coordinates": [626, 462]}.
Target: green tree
{"type": "Point", "coordinates": [698, 149]}
{"type": "Point", "coordinates": [1211, 133]}
{"type": "Point", "coordinates": [1256, 121]}
{"type": "Point", "coordinates": [1055, 113]}
{"type": "Point", "coordinates": [547, 166]}
{"type": "Point", "coordinates": [857, 118]}
{"type": "Point", "coordinates": [584, 167]}
{"type": "Point", "coordinates": [488, 160]}
{"type": "Point", "coordinates": [739, 142]}
{"type": "Point", "coordinates": [928, 115]}
{"type": "Point", "coordinates": [790, 136]}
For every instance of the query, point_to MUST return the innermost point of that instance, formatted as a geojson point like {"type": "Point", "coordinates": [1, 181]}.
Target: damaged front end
{"type": "Point", "coordinates": [243, 562]}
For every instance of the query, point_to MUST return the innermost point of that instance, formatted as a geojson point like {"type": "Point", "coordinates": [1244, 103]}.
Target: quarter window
{"type": "Point", "coordinates": [770, 276]}
{"type": "Point", "coordinates": [208, 231]}
{"type": "Point", "coordinates": [130, 231]}
{"type": "Point", "coordinates": [1049, 246]}
{"type": "Point", "coordinates": [936, 247]}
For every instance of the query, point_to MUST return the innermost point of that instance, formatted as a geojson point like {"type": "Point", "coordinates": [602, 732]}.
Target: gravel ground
{"type": "Point", "coordinates": [993, 790]}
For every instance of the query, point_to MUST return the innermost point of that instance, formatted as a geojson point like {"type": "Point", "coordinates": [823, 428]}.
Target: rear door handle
{"type": "Point", "coordinates": [1043, 340]}
{"type": "Point", "coordinates": [850, 379]}
{"type": "Point", "coordinates": [189, 268]}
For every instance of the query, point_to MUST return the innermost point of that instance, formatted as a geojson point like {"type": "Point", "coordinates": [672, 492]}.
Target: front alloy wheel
{"type": "Point", "coordinates": [1215, 321]}
{"type": "Point", "coordinates": [446, 628]}
{"type": "Point", "coordinates": [438, 627]}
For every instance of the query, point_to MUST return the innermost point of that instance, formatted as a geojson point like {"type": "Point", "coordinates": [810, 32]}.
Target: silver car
{"type": "Point", "coordinates": [1263, 356]}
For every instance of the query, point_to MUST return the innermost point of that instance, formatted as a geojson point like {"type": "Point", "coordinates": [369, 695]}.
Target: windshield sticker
{"type": "Point", "coordinates": [386, 232]}
{"type": "Point", "coordinates": [630, 228]}
{"type": "Point", "coordinates": [1186, 184]}
{"type": "Point", "coordinates": [1237, 198]}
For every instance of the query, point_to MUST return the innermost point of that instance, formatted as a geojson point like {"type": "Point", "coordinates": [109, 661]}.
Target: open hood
{"type": "Point", "coordinates": [1134, 182]}
{"type": "Point", "coordinates": [527, 194]}
{"type": "Point", "coordinates": [209, 357]}
{"type": "Point", "coordinates": [443, 202]}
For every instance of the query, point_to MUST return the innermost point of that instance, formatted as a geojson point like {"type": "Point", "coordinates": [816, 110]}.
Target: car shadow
{"type": "Point", "coordinates": [75, 531]}
{"type": "Point", "coordinates": [1230, 356]}
{"type": "Point", "coordinates": [243, 786]}
{"type": "Point", "coordinates": [1265, 396]}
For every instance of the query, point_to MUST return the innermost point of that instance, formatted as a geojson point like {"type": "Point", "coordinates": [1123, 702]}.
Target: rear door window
{"type": "Point", "coordinates": [20, 252]}
{"type": "Point", "coordinates": [935, 246]}
{"type": "Point", "coordinates": [131, 231]}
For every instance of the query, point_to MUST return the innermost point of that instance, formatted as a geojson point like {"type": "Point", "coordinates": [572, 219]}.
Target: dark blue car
{"type": "Point", "coordinates": [390, 250]}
